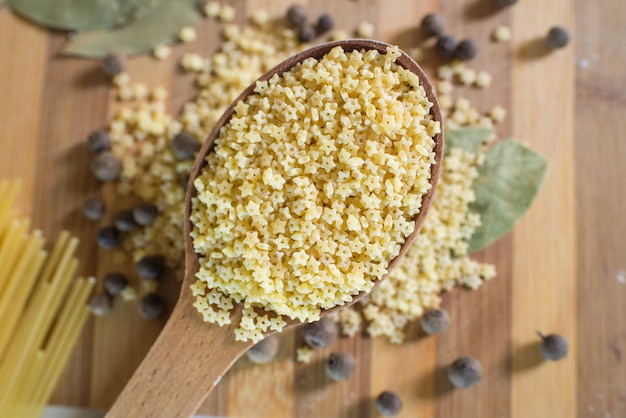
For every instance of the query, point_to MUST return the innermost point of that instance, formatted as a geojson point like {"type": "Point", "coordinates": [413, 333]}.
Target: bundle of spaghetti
{"type": "Point", "coordinates": [43, 310]}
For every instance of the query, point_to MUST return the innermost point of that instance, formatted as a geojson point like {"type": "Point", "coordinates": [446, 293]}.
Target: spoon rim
{"type": "Point", "coordinates": [192, 259]}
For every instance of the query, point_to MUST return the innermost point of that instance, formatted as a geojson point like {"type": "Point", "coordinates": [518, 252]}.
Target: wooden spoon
{"type": "Point", "coordinates": [190, 356]}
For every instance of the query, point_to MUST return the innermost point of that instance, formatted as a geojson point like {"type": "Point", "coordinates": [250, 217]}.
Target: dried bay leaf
{"type": "Point", "coordinates": [82, 14]}
{"type": "Point", "coordinates": [506, 186]}
{"type": "Point", "coordinates": [468, 139]}
{"type": "Point", "coordinates": [161, 26]}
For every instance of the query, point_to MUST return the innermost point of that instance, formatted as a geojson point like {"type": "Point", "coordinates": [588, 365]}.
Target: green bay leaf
{"type": "Point", "coordinates": [506, 186]}
{"type": "Point", "coordinates": [469, 139]}
{"type": "Point", "coordinates": [161, 26]}
{"type": "Point", "coordinates": [82, 14]}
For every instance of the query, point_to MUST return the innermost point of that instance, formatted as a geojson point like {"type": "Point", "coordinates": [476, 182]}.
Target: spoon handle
{"type": "Point", "coordinates": [187, 360]}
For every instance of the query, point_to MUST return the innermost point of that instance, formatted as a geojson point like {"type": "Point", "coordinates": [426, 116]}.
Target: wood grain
{"type": "Point", "coordinates": [561, 270]}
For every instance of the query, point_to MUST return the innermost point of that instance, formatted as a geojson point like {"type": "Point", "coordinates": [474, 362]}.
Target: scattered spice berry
{"type": "Point", "coordinates": [297, 15]}
{"type": "Point", "coordinates": [325, 23]}
{"type": "Point", "coordinates": [466, 50]}
{"type": "Point", "coordinates": [306, 34]}
{"type": "Point", "coordinates": [144, 213]}
{"type": "Point", "coordinates": [505, 3]}
{"type": "Point", "coordinates": [100, 304]}
{"type": "Point", "coordinates": [106, 166]}
{"type": "Point", "coordinates": [185, 146]}
{"type": "Point", "coordinates": [99, 141]}
{"type": "Point", "coordinates": [445, 46]}
{"type": "Point", "coordinates": [150, 267]}
{"type": "Point", "coordinates": [388, 404]}
{"type": "Point", "coordinates": [115, 283]}
{"type": "Point", "coordinates": [320, 334]}
{"type": "Point", "coordinates": [113, 64]}
{"type": "Point", "coordinates": [94, 208]}
{"type": "Point", "coordinates": [432, 25]}
{"type": "Point", "coordinates": [124, 221]}
{"type": "Point", "coordinates": [340, 365]}
{"type": "Point", "coordinates": [554, 346]}
{"type": "Point", "coordinates": [435, 321]}
{"type": "Point", "coordinates": [558, 37]}
{"type": "Point", "coordinates": [464, 372]}
{"type": "Point", "coordinates": [264, 351]}
{"type": "Point", "coordinates": [108, 238]}
{"type": "Point", "coordinates": [152, 306]}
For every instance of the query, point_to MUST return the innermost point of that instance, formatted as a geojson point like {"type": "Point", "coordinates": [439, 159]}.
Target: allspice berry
{"type": "Point", "coordinates": [185, 146]}
{"type": "Point", "coordinates": [99, 141]}
{"type": "Point", "coordinates": [464, 372]}
{"type": "Point", "coordinates": [264, 351]}
{"type": "Point", "coordinates": [340, 365]}
{"type": "Point", "coordinates": [108, 238]}
{"type": "Point", "coordinates": [115, 283]}
{"type": "Point", "coordinates": [306, 33]}
{"type": "Point", "coordinates": [152, 306]}
{"type": "Point", "coordinates": [445, 46]}
{"type": "Point", "coordinates": [297, 15]}
{"type": "Point", "coordinates": [106, 166]}
{"type": "Point", "coordinates": [144, 213]}
{"type": "Point", "coordinates": [320, 334]}
{"type": "Point", "coordinates": [466, 50]}
{"type": "Point", "coordinates": [94, 208]}
{"type": "Point", "coordinates": [124, 221]}
{"type": "Point", "coordinates": [100, 304]}
{"type": "Point", "coordinates": [553, 347]}
{"type": "Point", "coordinates": [505, 3]}
{"type": "Point", "coordinates": [113, 64]}
{"type": "Point", "coordinates": [558, 37]}
{"type": "Point", "coordinates": [150, 267]}
{"type": "Point", "coordinates": [435, 321]}
{"type": "Point", "coordinates": [325, 23]}
{"type": "Point", "coordinates": [432, 25]}
{"type": "Point", "coordinates": [388, 404]}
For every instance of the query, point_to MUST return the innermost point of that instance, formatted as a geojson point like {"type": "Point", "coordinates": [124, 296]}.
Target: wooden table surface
{"type": "Point", "coordinates": [563, 269]}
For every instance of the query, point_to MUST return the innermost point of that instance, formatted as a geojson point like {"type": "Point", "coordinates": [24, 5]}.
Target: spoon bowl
{"type": "Point", "coordinates": [190, 356]}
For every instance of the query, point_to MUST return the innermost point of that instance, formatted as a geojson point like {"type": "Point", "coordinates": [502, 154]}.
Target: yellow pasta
{"type": "Point", "coordinates": [43, 310]}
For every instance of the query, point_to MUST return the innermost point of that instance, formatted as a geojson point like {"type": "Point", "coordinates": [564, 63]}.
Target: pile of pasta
{"type": "Point", "coordinates": [42, 309]}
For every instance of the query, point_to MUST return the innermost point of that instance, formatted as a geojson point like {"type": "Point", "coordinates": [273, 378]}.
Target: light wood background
{"type": "Point", "coordinates": [562, 270]}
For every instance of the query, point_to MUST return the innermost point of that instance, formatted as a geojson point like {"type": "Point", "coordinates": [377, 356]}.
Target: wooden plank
{"type": "Point", "coordinates": [544, 274]}
{"type": "Point", "coordinates": [601, 184]}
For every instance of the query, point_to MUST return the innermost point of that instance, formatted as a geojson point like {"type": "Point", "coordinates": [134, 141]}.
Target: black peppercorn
{"type": "Point", "coordinates": [558, 37]}
{"type": "Point", "coordinates": [320, 334]}
{"type": "Point", "coordinates": [464, 372]}
{"type": "Point", "coordinates": [388, 404]}
{"type": "Point", "coordinates": [124, 221]}
{"type": "Point", "coordinates": [150, 267]}
{"type": "Point", "coordinates": [306, 33]}
{"type": "Point", "coordinates": [115, 283]}
{"type": "Point", "coordinates": [340, 365]}
{"type": "Point", "coordinates": [554, 346]}
{"type": "Point", "coordinates": [264, 351]}
{"type": "Point", "coordinates": [99, 141]}
{"type": "Point", "coordinates": [445, 46]}
{"type": "Point", "coordinates": [106, 166]}
{"type": "Point", "coordinates": [100, 304]}
{"type": "Point", "coordinates": [297, 15]}
{"type": "Point", "coordinates": [185, 146]}
{"type": "Point", "coordinates": [108, 238]}
{"type": "Point", "coordinates": [152, 306]}
{"type": "Point", "coordinates": [144, 213]}
{"type": "Point", "coordinates": [324, 23]}
{"type": "Point", "coordinates": [113, 64]}
{"type": "Point", "coordinates": [94, 208]}
{"type": "Point", "coordinates": [432, 25]}
{"type": "Point", "coordinates": [435, 321]}
{"type": "Point", "coordinates": [466, 50]}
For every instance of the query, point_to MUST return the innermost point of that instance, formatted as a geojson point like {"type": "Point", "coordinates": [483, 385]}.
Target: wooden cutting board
{"type": "Point", "coordinates": [562, 270]}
